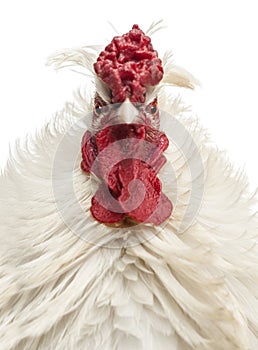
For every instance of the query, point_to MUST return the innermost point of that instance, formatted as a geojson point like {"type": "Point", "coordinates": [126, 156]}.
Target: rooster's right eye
{"type": "Point", "coordinates": [98, 108]}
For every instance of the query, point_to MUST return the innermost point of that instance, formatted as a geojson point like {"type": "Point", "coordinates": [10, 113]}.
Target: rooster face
{"type": "Point", "coordinates": [125, 134]}
{"type": "Point", "coordinates": [127, 112]}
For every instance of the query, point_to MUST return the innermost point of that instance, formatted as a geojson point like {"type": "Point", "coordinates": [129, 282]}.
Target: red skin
{"type": "Point", "coordinates": [99, 211]}
{"type": "Point", "coordinates": [89, 151]}
{"type": "Point", "coordinates": [154, 207]}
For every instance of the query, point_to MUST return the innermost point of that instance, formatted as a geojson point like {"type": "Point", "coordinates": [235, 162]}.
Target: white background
{"type": "Point", "coordinates": [215, 40]}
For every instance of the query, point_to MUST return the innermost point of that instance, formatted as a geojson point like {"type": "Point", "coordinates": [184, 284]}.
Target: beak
{"type": "Point", "coordinates": [127, 113]}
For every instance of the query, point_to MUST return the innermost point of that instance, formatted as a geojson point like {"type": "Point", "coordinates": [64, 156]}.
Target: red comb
{"type": "Point", "coordinates": [128, 65]}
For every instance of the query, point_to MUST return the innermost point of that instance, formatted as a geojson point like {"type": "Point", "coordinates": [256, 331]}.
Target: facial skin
{"type": "Point", "coordinates": [105, 114]}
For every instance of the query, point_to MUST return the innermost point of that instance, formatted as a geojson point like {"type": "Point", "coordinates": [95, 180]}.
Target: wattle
{"type": "Point", "coordinates": [124, 170]}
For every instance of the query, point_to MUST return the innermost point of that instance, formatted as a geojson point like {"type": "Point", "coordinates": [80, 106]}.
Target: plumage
{"type": "Point", "coordinates": [69, 282]}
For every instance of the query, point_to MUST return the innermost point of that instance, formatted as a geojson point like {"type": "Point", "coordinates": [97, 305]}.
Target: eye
{"type": "Point", "coordinates": [153, 107]}
{"type": "Point", "coordinates": [98, 108]}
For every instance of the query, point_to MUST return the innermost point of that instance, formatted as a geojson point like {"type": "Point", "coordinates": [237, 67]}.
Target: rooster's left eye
{"type": "Point", "coordinates": [153, 107]}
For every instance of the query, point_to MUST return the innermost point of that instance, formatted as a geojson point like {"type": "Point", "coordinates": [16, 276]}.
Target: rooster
{"type": "Point", "coordinates": [122, 227]}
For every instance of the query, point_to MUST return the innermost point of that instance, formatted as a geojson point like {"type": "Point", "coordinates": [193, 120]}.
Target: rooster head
{"type": "Point", "coordinates": [124, 146]}
{"type": "Point", "coordinates": [126, 134]}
